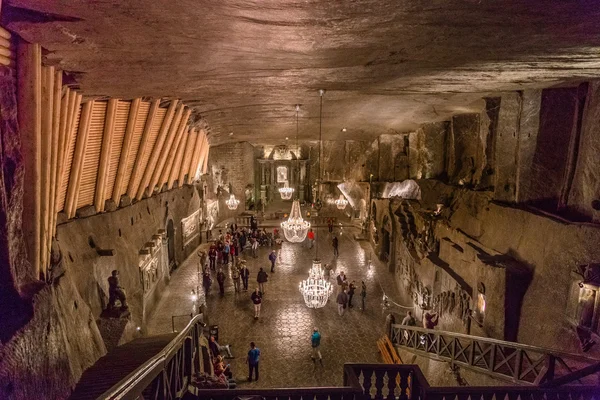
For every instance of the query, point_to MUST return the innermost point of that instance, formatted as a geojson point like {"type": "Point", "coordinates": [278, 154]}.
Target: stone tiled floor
{"type": "Point", "coordinates": [283, 331]}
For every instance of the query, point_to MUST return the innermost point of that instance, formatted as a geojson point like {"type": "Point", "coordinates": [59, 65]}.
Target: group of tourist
{"type": "Point", "coordinates": [346, 291]}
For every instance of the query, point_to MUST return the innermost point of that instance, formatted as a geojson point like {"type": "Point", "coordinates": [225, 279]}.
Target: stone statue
{"type": "Point", "coordinates": [452, 302]}
{"type": "Point", "coordinates": [57, 263]}
{"type": "Point", "coordinates": [116, 292]}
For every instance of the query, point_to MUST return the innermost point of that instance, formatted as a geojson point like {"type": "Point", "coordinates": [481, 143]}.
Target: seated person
{"type": "Point", "coordinates": [216, 349]}
{"type": "Point", "coordinates": [222, 369]}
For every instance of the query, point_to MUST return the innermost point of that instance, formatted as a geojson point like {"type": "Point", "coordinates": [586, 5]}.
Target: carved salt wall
{"type": "Point", "coordinates": [190, 227]}
{"type": "Point", "coordinates": [154, 270]}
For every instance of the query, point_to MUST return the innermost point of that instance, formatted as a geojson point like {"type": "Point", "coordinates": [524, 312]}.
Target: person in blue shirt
{"type": "Point", "coordinates": [252, 360]}
{"type": "Point", "coordinates": [315, 341]}
{"type": "Point", "coordinates": [273, 259]}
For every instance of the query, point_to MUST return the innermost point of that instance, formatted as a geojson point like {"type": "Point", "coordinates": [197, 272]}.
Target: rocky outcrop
{"type": "Point", "coordinates": [45, 359]}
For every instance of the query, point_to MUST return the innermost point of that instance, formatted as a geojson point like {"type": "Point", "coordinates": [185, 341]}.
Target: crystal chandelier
{"type": "Point", "coordinates": [286, 191]}
{"type": "Point", "coordinates": [341, 203]}
{"type": "Point", "coordinates": [232, 202]}
{"type": "Point", "coordinates": [316, 289]}
{"type": "Point", "coordinates": [295, 228]}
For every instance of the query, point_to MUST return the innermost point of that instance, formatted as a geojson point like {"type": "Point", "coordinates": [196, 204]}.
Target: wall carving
{"type": "Point", "coordinates": [190, 227]}
{"type": "Point", "coordinates": [153, 262]}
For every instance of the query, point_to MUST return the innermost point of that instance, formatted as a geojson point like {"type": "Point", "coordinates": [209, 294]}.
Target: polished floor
{"type": "Point", "coordinates": [284, 328]}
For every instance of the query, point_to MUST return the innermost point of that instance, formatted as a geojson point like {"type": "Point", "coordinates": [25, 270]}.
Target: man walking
{"type": "Point", "coordinates": [212, 256]}
{"type": "Point", "coordinates": [262, 278]}
{"type": "Point", "coordinates": [235, 275]}
{"type": "Point", "coordinates": [315, 341]}
{"type": "Point", "coordinates": [256, 298]}
{"type": "Point", "coordinates": [311, 238]}
{"type": "Point", "coordinates": [254, 247]}
{"type": "Point", "coordinates": [221, 281]}
{"type": "Point", "coordinates": [363, 295]}
{"type": "Point", "coordinates": [244, 274]}
{"type": "Point", "coordinates": [342, 300]}
{"type": "Point", "coordinates": [341, 280]}
{"type": "Point", "coordinates": [351, 290]}
{"type": "Point", "coordinates": [252, 360]}
{"type": "Point", "coordinates": [335, 244]}
{"type": "Point", "coordinates": [330, 225]}
{"type": "Point", "coordinates": [273, 258]}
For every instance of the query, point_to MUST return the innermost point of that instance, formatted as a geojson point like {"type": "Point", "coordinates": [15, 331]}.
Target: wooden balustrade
{"type": "Point", "coordinates": [510, 361]}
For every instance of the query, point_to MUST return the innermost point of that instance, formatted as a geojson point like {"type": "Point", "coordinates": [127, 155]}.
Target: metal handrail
{"type": "Point", "coordinates": [153, 366]}
{"type": "Point", "coordinates": [545, 350]}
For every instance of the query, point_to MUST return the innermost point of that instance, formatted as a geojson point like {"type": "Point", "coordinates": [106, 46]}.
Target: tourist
{"type": "Point", "coordinates": [311, 238]}
{"type": "Point", "coordinates": [341, 279]}
{"type": "Point", "coordinates": [315, 341]}
{"type": "Point", "coordinates": [226, 251]}
{"type": "Point", "coordinates": [235, 275]}
{"type": "Point", "coordinates": [342, 301]}
{"type": "Point", "coordinates": [256, 298]}
{"type": "Point", "coordinates": [232, 250]}
{"type": "Point", "coordinates": [220, 251]}
{"type": "Point", "coordinates": [221, 369]}
{"type": "Point", "coordinates": [244, 274]}
{"type": "Point", "coordinates": [221, 281]}
{"type": "Point", "coordinates": [330, 225]}
{"type": "Point", "coordinates": [409, 320]}
{"type": "Point", "coordinates": [363, 295]}
{"type": "Point", "coordinates": [212, 256]}
{"type": "Point", "coordinates": [335, 244]}
{"type": "Point", "coordinates": [273, 258]}
{"type": "Point", "coordinates": [252, 360]}
{"type": "Point", "coordinates": [216, 348]}
{"type": "Point", "coordinates": [206, 282]}
{"type": "Point", "coordinates": [233, 227]}
{"type": "Point", "coordinates": [254, 241]}
{"type": "Point", "coordinates": [262, 279]}
{"type": "Point", "coordinates": [429, 320]}
{"type": "Point", "coordinates": [220, 235]}
{"type": "Point", "coordinates": [242, 240]}
{"type": "Point", "coordinates": [351, 290]}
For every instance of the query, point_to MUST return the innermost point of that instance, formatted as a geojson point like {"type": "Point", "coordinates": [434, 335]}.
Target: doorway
{"type": "Point", "coordinates": [171, 244]}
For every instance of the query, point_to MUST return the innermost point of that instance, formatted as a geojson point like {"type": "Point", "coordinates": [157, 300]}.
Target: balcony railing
{"type": "Point", "coordinates": [169, 374]}
{"type": "Point", "coordinates": [514, 362]}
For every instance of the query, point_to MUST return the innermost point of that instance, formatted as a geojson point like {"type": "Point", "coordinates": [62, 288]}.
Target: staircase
{"type": "Point", "coordinates": [167, 373]}
{"type": "Point", "coordinates": [118, 363]}
{"type": "Point", "coordinates": [509, 361]}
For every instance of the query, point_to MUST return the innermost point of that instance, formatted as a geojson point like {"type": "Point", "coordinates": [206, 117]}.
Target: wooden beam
{"type": "Point", "coordinates": [57, 112]}
{"type": "Point", "coordinates": [125, 149]}
{"type": "Point", "coordinates": [62, 132]}
{"type": "Point", "coordinates": [74, 103]}
{"type": "Point", "coordinates": [29, 98]}
{"type": "Point", "coordinates": [172, 153]}
{"type": "Point", "coordinates": [46, 159]}
{"type": "Point", "coordinates": [77, 165]}
{"type": "Point", "coordinates": [187, 155]}
{"type": "Point", "coordinates": [3, 32]}
{"type": "Point", "coordinates": [134, 182]}
{"type": "Point", "coordinates": [166, 150]}
{"type": "Point", "coordinates": [176, 168]}
{"type": "Point", "coordinates": [160, 140]}
{"type": "Point", "coordinates": [205, 166]}
{"type": "Point", "coordinates": [195, 157]}
{"type": "Point", "coordinates": [203, 155]}
{"type": "Point", "coordinates": [107, 136]}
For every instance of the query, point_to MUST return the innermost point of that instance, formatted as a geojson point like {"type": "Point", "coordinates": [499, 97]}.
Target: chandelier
{"type": "Point", "coordinates": [316, 289]}
{"type": "Point", "coordinates": [232, 202]}
{"type": "Point", "coordinates": [295, 228]}
{"type": "Point", "coordinates": [286, 191]}
{"type": "Point", "coordinates": [341, 203]}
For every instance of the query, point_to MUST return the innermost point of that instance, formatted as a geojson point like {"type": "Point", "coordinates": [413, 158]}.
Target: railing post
{"type": "Point", "coordinates": [551, 366]}
{"type": "Point", "coordinates": [187, 357]}
{"type": "Point", "coordinates": [518, 359]}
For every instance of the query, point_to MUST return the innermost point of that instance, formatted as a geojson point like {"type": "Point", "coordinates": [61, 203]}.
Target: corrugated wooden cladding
{"type": "Point", "coordinates": [7, 49]}
{"type": "Point", "coordinates": [99, 150]}
{"type": "Point", "coordinates": [123, 157]}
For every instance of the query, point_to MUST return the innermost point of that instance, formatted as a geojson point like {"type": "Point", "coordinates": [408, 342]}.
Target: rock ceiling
{"type": "Point", "coordinates": [387, 65]}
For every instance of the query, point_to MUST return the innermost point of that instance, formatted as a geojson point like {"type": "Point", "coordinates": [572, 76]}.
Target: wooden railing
{"type": "Point", "coordinates": [168, 375]}
{"type": "Point", "coordinates": [509, 361]}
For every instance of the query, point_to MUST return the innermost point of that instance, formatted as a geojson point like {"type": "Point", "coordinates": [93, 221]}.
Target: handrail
{"type": "Point", "coordinates": [155, 365]}
{"type": "Point", "coordinates": [554, 352]}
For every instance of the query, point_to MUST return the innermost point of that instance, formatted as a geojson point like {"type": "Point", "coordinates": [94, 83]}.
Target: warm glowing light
{"type": "Point", "coordinates": [286, 191]}
{"type": "Point", "coordinates": [232, 202]}
{"type": "Point", "coordinates": [316, 289]}
{"type": "Point", "coordinates": [341, 202]}
{"type": "Point", "coordinates": [295, 228]}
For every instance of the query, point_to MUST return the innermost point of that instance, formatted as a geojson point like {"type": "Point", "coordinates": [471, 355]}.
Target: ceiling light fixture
{"type": "Point", "coordinates": [295, 228]}
{"type": "Point", "coordinates": [232, 203]}
{"type": "Point", "coordinates": [341, 203]}
{"type": "Point", "coordinates": [286, 191]}
{"type": "Point", "coordinates": [344, 129]}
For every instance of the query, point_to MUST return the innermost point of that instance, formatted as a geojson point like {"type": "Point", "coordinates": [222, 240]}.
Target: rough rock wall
{"type": "Point", "coordinates": [427, 153]}
{"type": "Point", "coordinates": [584, 198]}
{"type": "Point", "coordinates": [46, 358]}
{"type": "Point", "coordinates": [466, 157]}
{"type": "Point", "coordinates": [234, 164]}
{"type": "Point", "coordinates": [126, 231]}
